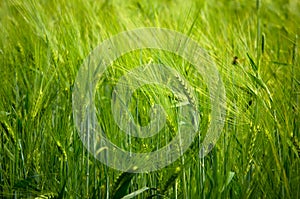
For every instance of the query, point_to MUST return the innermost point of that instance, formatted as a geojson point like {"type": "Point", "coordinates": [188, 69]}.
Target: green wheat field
{"type": "Point", "coordinates": [255, 45]}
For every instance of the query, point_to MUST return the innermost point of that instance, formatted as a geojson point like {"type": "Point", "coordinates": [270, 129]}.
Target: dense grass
{"type": "Point", "coordinates": [43, 45]}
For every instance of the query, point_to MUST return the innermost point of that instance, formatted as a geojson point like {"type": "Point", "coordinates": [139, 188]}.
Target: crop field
{"type": "Point", "coordinates": [236, 115]}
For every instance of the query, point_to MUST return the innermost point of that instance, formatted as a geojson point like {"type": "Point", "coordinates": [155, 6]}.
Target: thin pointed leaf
{"type": "Point", "coordinates": [253, 65]}
{"type": "Point", "coordinates": [135, 193]}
